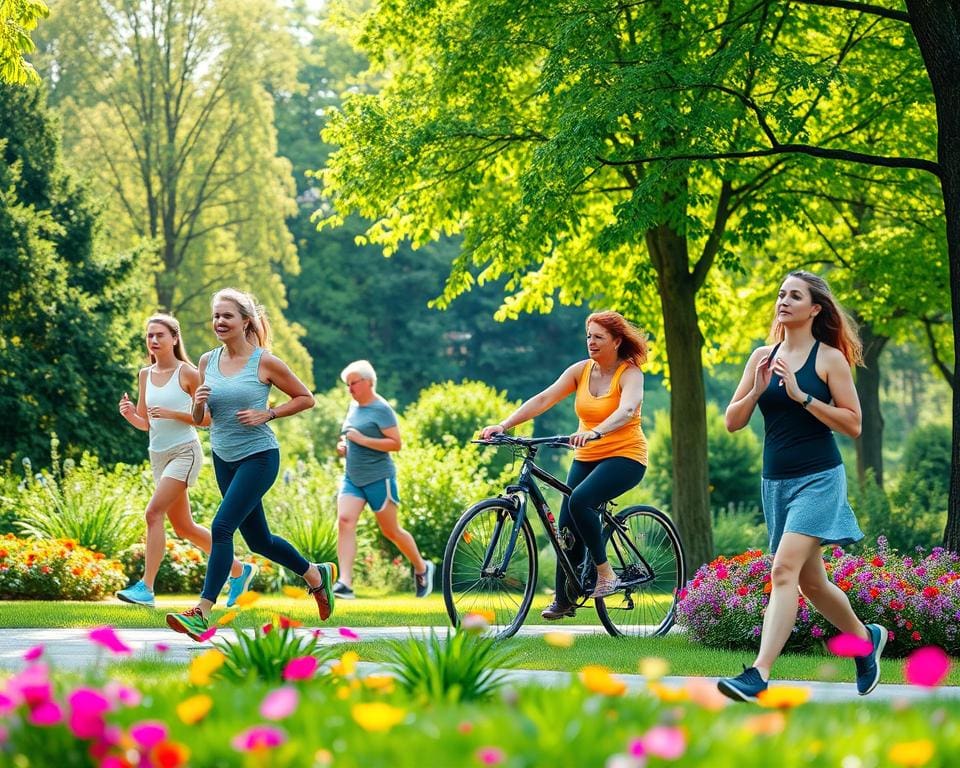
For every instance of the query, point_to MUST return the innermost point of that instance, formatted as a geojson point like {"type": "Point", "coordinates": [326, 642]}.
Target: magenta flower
{"type": "Point", "coordinates": [665, 742]}
{"type": "Point", "coordinates": [87, 707]}
{"type": "Point", "coordinates": [258, 737]}
{"type": "Point", "coordinates": [148, 734]}
{"type": "Point", "coordinates": [47, 713]}
{"type": "Point", "coordinates": [280, 703]}
{"type": "Point", "coordinates": [301, 668]}
{"type": "Point", "coordinates": [107, 637]}
{"type": "Point", "coordinates": [32, 654]}
{"type": "Point", "coordinates": [202, 638]}
{"type": "Point", "coordinates": [348, 634]}
{"type": "Point", "coordinates": [849, 646]}
{"type": "Point", "coordinates": [927, 667]}
{"type": "Point", "coordinates": [490, 755]}
{"type": "Point", "coordinates": [161, 647]}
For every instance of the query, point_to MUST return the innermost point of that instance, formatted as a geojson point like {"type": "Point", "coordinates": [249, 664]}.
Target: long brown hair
{"type": "Point", "coordinates": [172, 325]}
{"type": "Point", "coordinates": [832, 325]}
{"type": "Point", "coordinates": [257, 328]}
{"type": "Point", "coordinates": [633, 341]}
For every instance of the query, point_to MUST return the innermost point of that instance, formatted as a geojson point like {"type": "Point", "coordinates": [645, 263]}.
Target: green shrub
{"type": "Point", "coordinates": [447, 670]}
{"type": "Point", "coordinates": [325, 420]}
{"type": "Point", "coordinates": [380, 569]}
{"type": "Point", "coordinates": [182, 569]}
{"type": "Point", "coordinates": [263, 652]}
{"type": "Point", "coordinates": [918, 512]}
{"type": "Point", "coordinates": [99, 509]}
{"type": "Point", "coordinates": [55, 569]}
{"type": "Point", "coordinates": [734, 462]}
{"type": "Point", "coordinates": [736, 529]}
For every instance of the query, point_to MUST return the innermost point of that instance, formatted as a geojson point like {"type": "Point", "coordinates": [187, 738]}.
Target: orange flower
{"type": "Point", "coordinates": [247, 599]}
{"type": "Point", "coordinates": [194, 709]}
{"type": "Point", "coordinates": [769, 724]}
{"type": "Point", "coordinates": [228, 617]}
{"type": "Point", "coordinates": [668, 694]}
{"type": "Point", "coordinates": [598, 679]}
{"type": "Point", "coordinates": [912, 754]}
{"type": "Point", "coordinates": [170, 754]}
{"type": "Point", "coordinates": [784, 696]}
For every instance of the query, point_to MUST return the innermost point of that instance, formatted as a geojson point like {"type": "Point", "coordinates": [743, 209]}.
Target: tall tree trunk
{"type": "Point", "coordinates": [870, 443]}
{"type": "Point", "coordinates": [688, 407]}
{"type": "Point", "coordinates": [935, 24]}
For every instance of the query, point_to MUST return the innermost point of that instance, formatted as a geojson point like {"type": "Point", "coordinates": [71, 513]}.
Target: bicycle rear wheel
{"type": "Point", "coordinates": [475, 577]}
{"type": "Point", "coordinates": [644, 548]}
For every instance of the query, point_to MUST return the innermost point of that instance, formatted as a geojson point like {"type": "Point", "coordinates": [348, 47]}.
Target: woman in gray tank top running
{"type": "Point", "coordinates": [804, 387]}
{"type": "Point", "coordinates": [163, 409]}
{"type": "Point", "coordinates": [236, 379]}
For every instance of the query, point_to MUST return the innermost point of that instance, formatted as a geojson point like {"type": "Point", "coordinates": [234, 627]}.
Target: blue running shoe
{"type": "Point", "coordinates": [744, 687]}
{"type": "Point", "coordinates": [138, 594]}
{"type": "Point", "coordinates": [868, 667]}
{"type": "Point", "coordinates": [240, 584]}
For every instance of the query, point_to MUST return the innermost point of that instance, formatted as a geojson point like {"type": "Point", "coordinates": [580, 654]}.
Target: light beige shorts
{"type": "Point", "coordinates": [182, 462]}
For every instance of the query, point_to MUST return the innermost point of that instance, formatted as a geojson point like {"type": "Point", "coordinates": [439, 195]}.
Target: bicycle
{"type": "Point", "coordinates": [490, 562]}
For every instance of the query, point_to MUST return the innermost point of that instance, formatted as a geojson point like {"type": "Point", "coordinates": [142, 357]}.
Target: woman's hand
{"type": "Point", "coordinates": [782, 370]}
{"type": "Point", "coordinates": [156, 412]}
{"type": "Point", "coordinates": [201, 396]}
{"type": "Point", "coordinates": [251, 417]}
{"type": "Point", "coordinates": [352, 434]}
{"type": "Point", "coordinates": [580, 439]}
{"type": "Point", "coordinates": [127, 408]}
{"type": "Point", "coordinates": [341, 447]}
{"type": "Point", "coordinates": [762, 376]}
{"type": "Point", "coordinates": [489, 431]}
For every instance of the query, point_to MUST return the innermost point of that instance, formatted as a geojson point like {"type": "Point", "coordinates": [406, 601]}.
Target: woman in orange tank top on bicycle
{"type": "Point", "coordinates": [611, 449]}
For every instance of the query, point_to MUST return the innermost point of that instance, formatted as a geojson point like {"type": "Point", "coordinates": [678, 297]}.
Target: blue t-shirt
{"type": "Point", "coordinates": [368, 465]}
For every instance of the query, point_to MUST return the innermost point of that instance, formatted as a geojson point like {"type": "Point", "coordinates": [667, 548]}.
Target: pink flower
{"type": "Point", "coordinates": [665, 742]}
{"type": "Point", "coordinates": [280, 703]}
{"type": "Point", "coordinates": [258, 737]}
{"type": "Point", "coordinates": [348, 634]}
{"type": "Point", "coordinates": [849, 646]}
{"type": "Point", "coordinates": [106, 637]}
{"type": "Point", "coordinates": [203, 637]}
{"type": "Point", "coordinates": [87, 707]}
{"type": "Point", "coordinates": [47, 713]}
{"type": "Point", "coordinates": [161, 647]}
{"type": "Point", "coordinates": [301, 668]}
{"type": "Point", "coordinates": [148, 733]}
{"type": "Point", "coordinates": [490, 755]}
{"type": "Point", "coordinates": [122, 694]}
{"type": "Point", "coordinates": [927, 667]}
{"type": "Point", "coordinates": [32, 654]}
{"type": "Point", "coordinates": [316, 632]}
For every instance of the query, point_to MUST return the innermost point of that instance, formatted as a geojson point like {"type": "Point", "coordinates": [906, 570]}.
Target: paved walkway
{"type": "Point", "coordinates": [70, 649]}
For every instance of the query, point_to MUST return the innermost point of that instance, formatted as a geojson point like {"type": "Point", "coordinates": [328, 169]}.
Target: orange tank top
{"type": "Point", "coordinates": [627, 441]}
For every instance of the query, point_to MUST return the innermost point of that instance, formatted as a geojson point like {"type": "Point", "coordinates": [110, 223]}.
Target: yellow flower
{"type": "Point", "coordinates": [296, 592]}
{"type": "Point", "coordinates": [347, 664]}
{"type": "Point", "coordinates": [377, 717]}
{"type": "Point", "coordinates": [343, 692]}
{"type": "Point", "coordinates": [247, 599]}
{"type": "Point", "coordinates": [559, 639]}
{"type": "Point", "coordinates": [653, 668]}
{"type": "Point", "coordinates": [228, 617]}
{"type": "Point", "coordinates": [599, 680]}
{"type": "Point", "coordinates": [194, 709]}
{"type": "Point", "coordinates": [784, 696]}
{"type": "Point", "coordinates": [382, 683]}
{"type": "Point", "coordinates": [768, 724]}
{"type": "Point", "coordinates": [912, 754]}
{"type": "Point", "coordinates": [204, 665]}
{"type": "Point", "coordinates": [666, 693]}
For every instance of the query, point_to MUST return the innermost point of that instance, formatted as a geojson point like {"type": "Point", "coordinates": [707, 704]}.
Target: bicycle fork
{"type": "Point", "coordinates": [487, 569]}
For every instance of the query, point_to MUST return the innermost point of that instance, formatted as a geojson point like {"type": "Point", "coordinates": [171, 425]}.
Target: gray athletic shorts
{"type": "Point", "coordinates": [182, 462]}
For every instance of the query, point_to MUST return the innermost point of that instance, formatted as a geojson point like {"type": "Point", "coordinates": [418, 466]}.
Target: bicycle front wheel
{"type": "Point", "coordinates": [644, 549]}
{"type": "Point", "coordinates": [477, 576]}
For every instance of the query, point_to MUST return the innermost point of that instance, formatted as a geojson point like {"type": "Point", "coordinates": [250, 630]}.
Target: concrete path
{"type": "Point", "coordinates": [70, 649]}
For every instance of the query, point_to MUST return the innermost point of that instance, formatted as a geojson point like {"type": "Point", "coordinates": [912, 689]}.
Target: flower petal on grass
{"type": "Point", "coordinates": [107, 637]}
{"type": "Point", "coordinates": [32, 654]}
{"type": "Point", "coordinates": [161, 647]}
{"type": "Point", "coordinates": [346, 665]}
{"type": "Point", "coordinates": [280, 703]}
{"type": "Point", "coordinates": [300, 668]}
{"type": "Point", "coordinates": [348, 634]}
{"type": "Point", "coordinates": [228, 617]}
{"type": "Point", "coordinates": [247, 599]}
{"type": "Point", "coordinates": [490, 755]}
{"type": "Point", "coordinates": [295, 592]}
{"type": "Point", "coordinates": [377, 717]}
{"type": "Point", "coordinates": [784, 696]}
{"type": "Point", "coordinates": [849, 646]}
{"type": "Point", "coordinates": [204, 636]}
{"type": "Point", "coordinates": [194, 709]}
{"type": "Point", "coordinates": [559, 639]}
{"type": "Point", "coordinates": [912, 754]}
{"type": "Point", "coordinates": [599, 680]}
{"type": "Point", "coordinates": [258, 737]}
{"type": "Point", "coordinates": [927, 667]}
{"type": "Point", "coordinates": [653, 668]}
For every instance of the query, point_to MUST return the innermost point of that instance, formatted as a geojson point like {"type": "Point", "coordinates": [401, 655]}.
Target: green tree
{"type": "Point", "coordinates": [18, 18]}
{"type": "Point", "coordinates": [168, 108]}
{"type": "Point", "coordinates": [63, 299]}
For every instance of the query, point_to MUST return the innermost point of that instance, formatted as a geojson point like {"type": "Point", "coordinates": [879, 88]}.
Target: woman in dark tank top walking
{"type": "Point", "coordinates": [804, 387]}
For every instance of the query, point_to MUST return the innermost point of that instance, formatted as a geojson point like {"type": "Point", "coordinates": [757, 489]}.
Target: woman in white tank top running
{"type": "Point", "coordinates": [163, 409]}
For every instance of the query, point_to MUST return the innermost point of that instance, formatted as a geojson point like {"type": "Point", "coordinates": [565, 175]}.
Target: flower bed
{"type": "Point", "coordinates": [55, 569]}
{"type": "Point", "coordinates": [916, 597]}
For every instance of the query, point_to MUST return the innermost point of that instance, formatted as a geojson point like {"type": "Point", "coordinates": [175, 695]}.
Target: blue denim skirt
{"type": "Point", "coordinates": [815, 505]}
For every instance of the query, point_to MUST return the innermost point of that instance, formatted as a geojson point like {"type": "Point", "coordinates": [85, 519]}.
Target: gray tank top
{"type": "Point", "coordinates": [230, 439]}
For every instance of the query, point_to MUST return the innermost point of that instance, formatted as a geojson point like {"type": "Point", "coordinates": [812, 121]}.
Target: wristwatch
{"type": "Point", "coordinates": [597, 432]}
{"type": "Point", "coordinates": [273, 414]}
{"type": "Point", "coordinates": [807, 402]}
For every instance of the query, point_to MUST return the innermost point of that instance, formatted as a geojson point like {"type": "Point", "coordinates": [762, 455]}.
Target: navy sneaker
{"type": "Point", "coordinates": [342, 591]}
{"type": "Point", "coordinates": [868, 667]}
{"type": "Point", "coordinates": [240, 584]}
{"type": "Point", "coordinates": [424, 581]}
{"type": "Point", "coordinates": [744, 687]}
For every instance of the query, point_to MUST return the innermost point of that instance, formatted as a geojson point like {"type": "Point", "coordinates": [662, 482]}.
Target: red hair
{"type": "Point", "coordinates": [633, 341]}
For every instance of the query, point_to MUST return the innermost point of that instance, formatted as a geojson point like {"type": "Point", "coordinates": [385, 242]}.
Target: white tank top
{"type": "Point", "coordinates": [169, 433]}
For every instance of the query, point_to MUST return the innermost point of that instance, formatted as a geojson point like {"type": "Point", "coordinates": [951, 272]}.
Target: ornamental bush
{"type": "Point", "coordinates": [182, 569]}
{"type": "Point", "coordinates": [917, 597]}
{"type": "Point", "coordinates": [55, 569]}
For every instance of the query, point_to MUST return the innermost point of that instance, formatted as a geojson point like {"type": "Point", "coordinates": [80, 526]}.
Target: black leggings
{"type": "Point", "coordinates": [593, 483]}
{"type": "Point", "coordinates": [243, 484]}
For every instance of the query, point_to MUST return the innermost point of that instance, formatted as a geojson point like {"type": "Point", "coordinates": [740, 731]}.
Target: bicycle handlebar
{"type": "Point", "coordinates": [502, 439]}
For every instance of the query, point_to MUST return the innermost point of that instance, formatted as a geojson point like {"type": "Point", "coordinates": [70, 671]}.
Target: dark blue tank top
{"type": "Point", "coordinates": [796, 442]}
